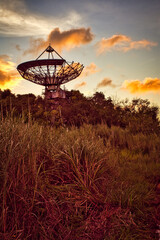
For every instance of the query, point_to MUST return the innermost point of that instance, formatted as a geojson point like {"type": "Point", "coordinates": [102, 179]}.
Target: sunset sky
{"type": "Point", "coordinates": [118, 42]}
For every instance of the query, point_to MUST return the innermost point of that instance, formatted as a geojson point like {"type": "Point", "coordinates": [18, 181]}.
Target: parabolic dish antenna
{"type": "Point", "coordinates": [51, 72]}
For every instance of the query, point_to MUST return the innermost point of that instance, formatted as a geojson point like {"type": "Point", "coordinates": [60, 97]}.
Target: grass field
{"type": "Point", "coordinates": [91, 182]}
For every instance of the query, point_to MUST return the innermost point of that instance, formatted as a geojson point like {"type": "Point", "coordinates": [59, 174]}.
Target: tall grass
{"type": "Point", "coordinates": [87, 183]}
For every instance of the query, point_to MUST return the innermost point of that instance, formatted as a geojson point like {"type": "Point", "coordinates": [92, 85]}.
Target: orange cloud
{"type": "Point", "coordinates": [105, 82]}
{"type": "Point", "coordinates": [122, 43]}
{"type": "Point", "coordinates": [4, 78]}
{"type": "Point", "coordinates": [148, 85]}
{"type": "Point", "coordinates": [107, 43]}
{"type": "Point", "coordinates": [79, 85]}
{"type": "Point", "coordinates": [139, 44]}
{"type": "Point", "coordinates": [62, 40]}
{"type": "Point", "coordinates": [90, 69]}
{"type": "Point", "coordinates": [8, 75]}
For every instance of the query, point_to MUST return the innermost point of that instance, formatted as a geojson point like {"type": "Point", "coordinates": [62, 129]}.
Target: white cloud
{"type": "Point", "coordinates": [14, 22]}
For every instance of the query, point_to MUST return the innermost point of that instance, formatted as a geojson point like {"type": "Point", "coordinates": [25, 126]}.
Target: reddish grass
{"type": "Point", "coordinates": [59, 184]}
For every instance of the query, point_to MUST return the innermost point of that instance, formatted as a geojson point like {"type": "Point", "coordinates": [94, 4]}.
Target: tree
{"type": "Point", "coordinates": [6, 93]}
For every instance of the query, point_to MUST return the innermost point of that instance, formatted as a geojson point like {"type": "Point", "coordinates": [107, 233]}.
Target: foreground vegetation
{"type": "Point", "coordinates": [91, 182]}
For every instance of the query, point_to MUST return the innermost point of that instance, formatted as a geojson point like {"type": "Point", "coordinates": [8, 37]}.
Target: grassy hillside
{"type": "Point", "coordinates": [91, 182]}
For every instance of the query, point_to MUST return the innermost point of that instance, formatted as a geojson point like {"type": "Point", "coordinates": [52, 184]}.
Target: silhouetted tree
{"type": "Point", "coordinates": [76, 109]}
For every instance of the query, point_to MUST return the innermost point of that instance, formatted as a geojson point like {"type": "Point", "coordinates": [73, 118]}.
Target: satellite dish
{"type": "Point", "coordinates": [51, 72]}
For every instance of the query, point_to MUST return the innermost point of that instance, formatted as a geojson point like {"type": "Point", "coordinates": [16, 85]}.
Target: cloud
{"type": "Point", "coordinates": [107, 43]}
{"type": "Point", "coordinates": [90, 69]}
{"type": "Point", "coordinates": [148, 85]}
{"type": "Point", "coordinates": [62, 39]}
{"type": "Point", "coordinates": [105, 82]}
{"type": "Point", "coordinates": [138, 45]}
{"type": "Point", "coordinates": [79, 85]}
{"type": "Point", "coordinates": [71, 38]}
{"type": "Point", "coordinates": [17, 24]}
{"type": "Point", "coordinates": [8, 75]}
{"type": "Point", "coordinates": [122, 43]}
{"type": "Point", "coordinates": [4, 78]}
{"type": "Point", "coordinates": [17, 20]}
{"type": "Point", "coordinates": [5, 63]}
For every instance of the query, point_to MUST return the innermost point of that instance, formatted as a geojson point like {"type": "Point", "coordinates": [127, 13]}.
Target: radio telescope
{"type": "Point", "coordinates": [51, 72]}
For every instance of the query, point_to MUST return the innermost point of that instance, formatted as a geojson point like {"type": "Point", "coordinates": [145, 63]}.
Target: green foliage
{"type": "Point", "coordinates": [91, 182]}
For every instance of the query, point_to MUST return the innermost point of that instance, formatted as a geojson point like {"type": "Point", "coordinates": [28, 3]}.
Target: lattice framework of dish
{"type": "Point", "coordinates": [51, 71]}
